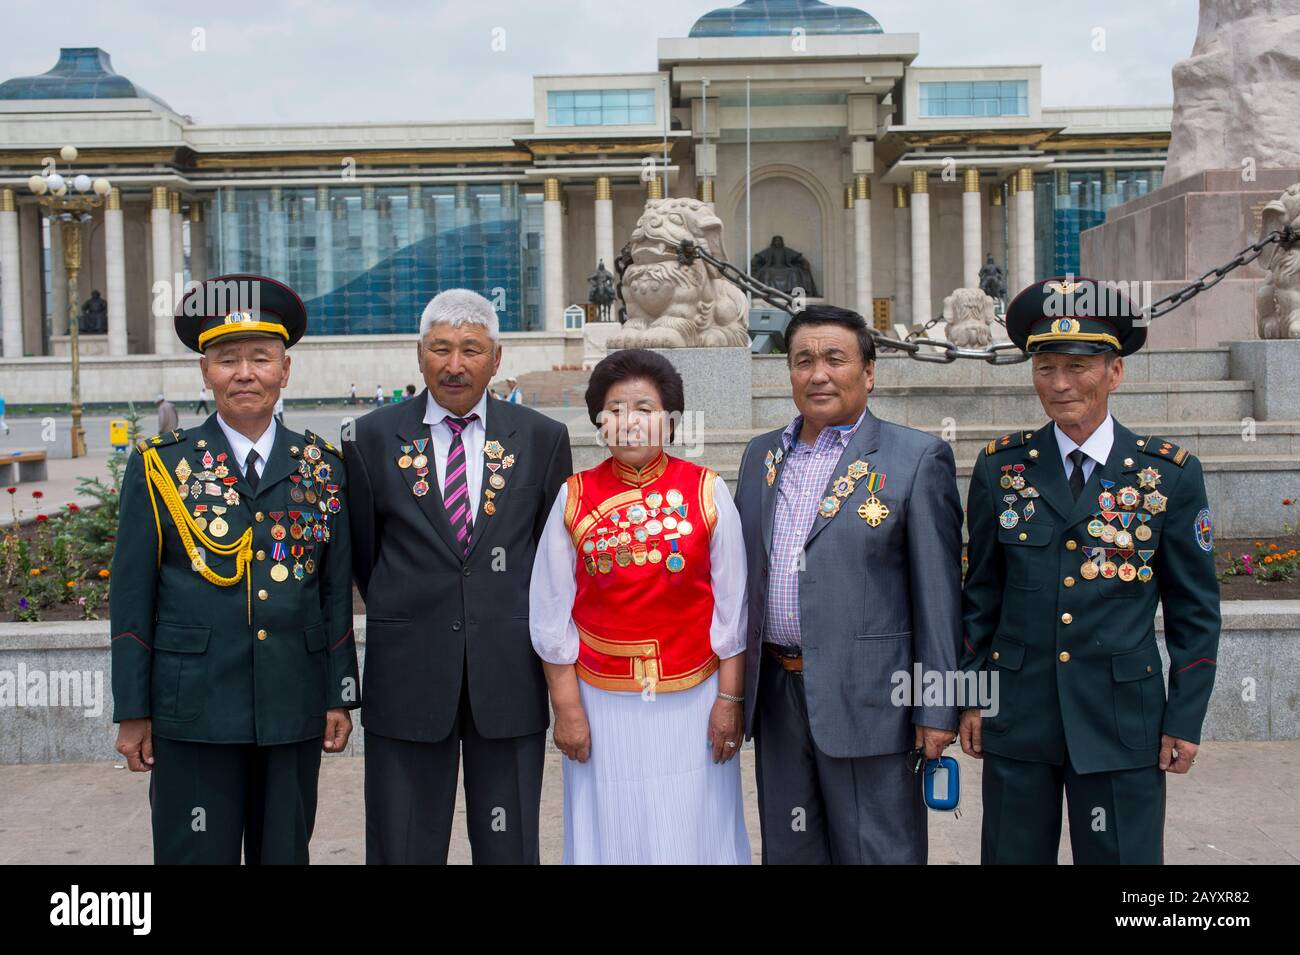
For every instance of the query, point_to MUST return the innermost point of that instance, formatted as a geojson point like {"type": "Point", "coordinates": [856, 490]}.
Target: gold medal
{"type": "Point", "coordinates": [1127, 572]}
{"type": "Point", "coordinates": [874, 511]}
{"type": "Point", "coordinates": [489, 508]}
{"type": "Point", "coordinates": [405, 462]}
{"type": "Point", "coordinates": [655, 556]}
{"type": "Point", "coordinates": [1108, 533]}
{"type": "Point", "coordinates": [684, 527]}
{"type": "Point", "coordinates": [1109, 570]}
{"type": "Point", "coordinates": [1142, 532]}
{"type": "Point", "coordinates": [1088, 571]}
{"type": "Point", "coordinates": [497, 481]}
{"type": "Point", "coordinates": [279, 573]}
{"type": "Point", "coordinates": [183, 471]}
{"type": "Point", "coordinates": [674, 498]}
{"type": "Point", "coordinates": [419, 461]}
{"type": "Point", "coordinates": [218, 527]}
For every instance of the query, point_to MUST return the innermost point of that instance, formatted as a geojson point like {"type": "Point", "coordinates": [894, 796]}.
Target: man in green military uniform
{"type": "Point", "coordinates": [1076, 532]}
{"type": "Point", "coordinates": [231, 600]}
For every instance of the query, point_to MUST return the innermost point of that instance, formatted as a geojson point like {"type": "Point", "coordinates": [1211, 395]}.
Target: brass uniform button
{"type": "Point", "coordinates": [262, 595]}
{"type": "Point", "coordinates": [261, 555]}
{"type": "Point", "coordinates": [1067, 618]}
{"type": "Point", "coordinates": [1148, 669]}
{"type": "Point", "coordinates": [1024, 536]}
{"type": "Point", "coordinates": [996, 654]}
{"type": "Point", "coordinates": [1033, 452]}
{"type": "Point", "coordinates": [1071, 545]}
{"type": "Point", "coordinates": [1069, 581]}
{"type": "Point", "coordinates": [259, 517]}
{"type": "Point", "coordinates": [261, 634]}
{"type": "Point", "coordinates": [1065, 656]}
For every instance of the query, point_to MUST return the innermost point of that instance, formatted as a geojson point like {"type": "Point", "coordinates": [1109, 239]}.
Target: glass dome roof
{"type": "Point", "coordinates": [780, 17]}
{"type": "Point", "coordinates": [81, 73]}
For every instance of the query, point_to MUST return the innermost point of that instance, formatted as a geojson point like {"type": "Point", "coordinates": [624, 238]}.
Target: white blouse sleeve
{"type": "Point", "coordinates": [727, 568]}
{"type": "Point", "coordinates": [552, 589]}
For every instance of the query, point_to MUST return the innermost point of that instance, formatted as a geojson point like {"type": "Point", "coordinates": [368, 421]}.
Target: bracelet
{"type": "Point", "coordinates": [731, 699]}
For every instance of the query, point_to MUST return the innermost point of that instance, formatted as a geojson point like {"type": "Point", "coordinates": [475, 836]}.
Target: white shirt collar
{"type": "Point", "coordinates": [1096, 446]}
{"type": "Point", "coordinates": [434, 412]}
{"type": "Point", "coordinates": [240, 445]}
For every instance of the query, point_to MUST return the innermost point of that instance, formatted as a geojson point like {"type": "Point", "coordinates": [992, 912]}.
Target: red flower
{"type": "Point", "coordinates": [1287, 502]}
{"type": "Point", "coordinates": [73, 508]}
{"type": "Point", "coordinates": [41, 518]}
{"type": "Point", "coordinates": [12, 490]}
{"type": "Point", "coordinates": [38, 494]}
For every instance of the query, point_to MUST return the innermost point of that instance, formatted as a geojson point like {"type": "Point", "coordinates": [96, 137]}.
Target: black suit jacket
{"type": "Point", "coordinates": [431, 614]}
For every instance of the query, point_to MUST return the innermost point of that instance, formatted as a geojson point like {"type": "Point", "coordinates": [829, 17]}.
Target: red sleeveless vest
{"type": "Point", "coordinates": [644, 605]}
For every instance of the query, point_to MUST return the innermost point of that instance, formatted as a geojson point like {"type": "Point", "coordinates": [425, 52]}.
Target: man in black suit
{"type": "Point", "coordinates": [449, 497]}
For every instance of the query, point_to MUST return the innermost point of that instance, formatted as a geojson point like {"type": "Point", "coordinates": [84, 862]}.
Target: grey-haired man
{"type": "Point", "coordinates": [449, 496]}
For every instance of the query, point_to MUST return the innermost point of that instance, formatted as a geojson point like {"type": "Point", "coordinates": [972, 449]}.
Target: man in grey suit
{"type": "Point", "coordinates": [853, 533]}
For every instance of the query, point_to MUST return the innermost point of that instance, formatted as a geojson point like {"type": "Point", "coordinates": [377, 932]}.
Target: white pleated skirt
{"type": "Point", "coordinates": [650, 792]}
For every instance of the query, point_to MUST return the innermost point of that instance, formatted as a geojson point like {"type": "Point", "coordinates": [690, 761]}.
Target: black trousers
{"type": "Point", "coordinates": [1115, 818]}
{"type": "Point", "coordinates": [411, 795]}
{"type": "Point", "coordinates": [815, 809]}
{"type": "Point", "coordinates": [209, 799]}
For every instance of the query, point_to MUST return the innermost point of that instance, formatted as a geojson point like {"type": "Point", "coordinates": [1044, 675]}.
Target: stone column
{"type": "Point", "coordinates": [553, 255]}
{"type": "Point", "coordinates": [58, 281]}
{"type": "Point", "coordinates": [849, 246]}
{"type": "Point", "coordinates": [11, 289]}
{"type": "Point", "coordinates": [277, 221]}
{"type": "Point", "coordinates": [997, 218]}
{"type": "Point", "coordinates": [115, 272]}
{"type": "Point", "coordinates": [161, 292]}
{"type": "Point", "coordinates": [198, 242]}
{"type": "Point", "coordinates": [1025, 226]}
{"type": "Point", "coordinates": [902, 255]}
{"type": "Point", "coordinates": [862, 246]}
{"type": "Point", "coordinates": [1013, 257]}
{"type": "Point", "coordinates": [178, 245]}
{"type": "Point", "coordinates": [971, 229]}
{"type": "Point", "coordinates": [369, 228]}
{"type": "Point", "coordinates": [414, 213]}
{"type": "Point", "coordinates": [920, 247]}
{"type": "Point", "coordinates": [324, 242]}
{"type": "Point", "coordinates": [604, 222]}
{"type": "Point", "coordinates": [1109, 196]}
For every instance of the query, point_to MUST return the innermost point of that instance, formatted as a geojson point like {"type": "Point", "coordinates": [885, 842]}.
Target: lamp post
{"type": "Point", "coordinates": [69, 208]}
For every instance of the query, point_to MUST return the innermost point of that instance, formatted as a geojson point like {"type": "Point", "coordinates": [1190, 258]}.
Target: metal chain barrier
{"type": "Point", "coordinates": [917, 345]}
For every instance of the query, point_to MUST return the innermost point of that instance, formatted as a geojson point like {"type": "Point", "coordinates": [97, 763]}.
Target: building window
{"type": "Point", "coordinates": [600, 107]}
{"type": "Point", "coordinates": [991, 98]}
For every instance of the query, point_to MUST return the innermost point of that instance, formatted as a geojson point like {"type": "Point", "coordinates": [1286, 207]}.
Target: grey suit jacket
{"type": "Point", "coordinates": [873, 601]}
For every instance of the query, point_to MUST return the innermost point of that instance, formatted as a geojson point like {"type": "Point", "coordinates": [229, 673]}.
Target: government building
{"type": "Point", "coordinates": [894, 181]}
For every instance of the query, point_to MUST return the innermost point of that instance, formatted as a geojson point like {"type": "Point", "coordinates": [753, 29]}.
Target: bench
{"type": "Point", "coordinates": [19, 466]}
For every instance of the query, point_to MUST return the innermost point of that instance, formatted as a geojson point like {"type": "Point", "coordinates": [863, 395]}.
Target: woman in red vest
{"type": "Point", "coordinates": [637, 609]}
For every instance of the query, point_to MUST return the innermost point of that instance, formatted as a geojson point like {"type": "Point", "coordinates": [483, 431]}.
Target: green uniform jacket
{"type": "Point", "coordinates": [1076, 659]}
{"type": "Point", "coordinates": [185, 652]}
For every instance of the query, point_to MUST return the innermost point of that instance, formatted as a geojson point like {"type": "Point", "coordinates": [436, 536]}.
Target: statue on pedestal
{"type": "Point", "coordinates": [94, 315]}
{"type": "Point", "coordinates": [993, 281]}
{"type": "Point", "coordinates": [600, 290]}
{"type": "Point", "coordinates": [1277, 303]}
{"type": "Point", "coordinates": [969, 315]}
{"type": "Point", "coordinates": [783, 268]}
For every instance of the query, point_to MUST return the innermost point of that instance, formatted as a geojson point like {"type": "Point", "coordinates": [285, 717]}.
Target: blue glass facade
{"type": "Point", "coordinates": [600, 107]}
{"type": "Point", "coordinates": [1060, 214]}
{"type": "Point", "coordinates": [991, 98]}
{"type": "Point", "coordinates": [367, 259]}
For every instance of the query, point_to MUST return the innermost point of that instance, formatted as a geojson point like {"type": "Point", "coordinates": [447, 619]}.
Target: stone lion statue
{"type": "Point", "coordinates": [671, 305]}
{"type": "Point", "coordinates": [1277, 303]}
{"type": "Point", "coordinates": [969, 314]}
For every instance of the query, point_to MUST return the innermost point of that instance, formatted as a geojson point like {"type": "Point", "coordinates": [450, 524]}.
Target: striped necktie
{"type": "Point", "coordinates": [455, 489]}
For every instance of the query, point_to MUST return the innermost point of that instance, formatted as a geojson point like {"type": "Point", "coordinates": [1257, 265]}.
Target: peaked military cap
{"type": "Point", "coordinates": [231, 307]}
{"type": "Point", "coordinates": [1075, 317]}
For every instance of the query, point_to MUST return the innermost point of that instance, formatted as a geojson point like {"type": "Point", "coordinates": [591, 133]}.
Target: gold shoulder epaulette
{"type": "Point", "coordinates": [1161, 448]}
{"type": "Point", "coordinates": [160, 440]}
{"type": "Point", "coordinates": [313, 438]}
{"type": "Point", "coordinates": [1013, 440]}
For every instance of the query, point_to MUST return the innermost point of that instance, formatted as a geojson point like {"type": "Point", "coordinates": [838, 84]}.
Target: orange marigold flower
{"type": "Point", "coordinates": [1272, 547]}
{"type": "Point", "coordinates": [72, 583]}
{"type": "Point", "coordinates": [103, 574]}
{"type": "Point", "coordinates": [35, 572]}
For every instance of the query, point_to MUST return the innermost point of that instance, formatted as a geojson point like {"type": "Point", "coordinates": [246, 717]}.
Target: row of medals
{"type": "Point", "coordinates": [497, 462]}
{"type": "Point", "coordinates": [1122, 505]}
{"type": "Point", "coordinates": [635, 535]}
{"type": "Point", "coordinates": [873, 510]}
{"type": "Point", "coordinates": [310, 485]}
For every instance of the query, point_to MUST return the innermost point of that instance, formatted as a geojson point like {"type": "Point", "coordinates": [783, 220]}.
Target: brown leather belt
{"type": "Point", "coordinates": [793, 663]}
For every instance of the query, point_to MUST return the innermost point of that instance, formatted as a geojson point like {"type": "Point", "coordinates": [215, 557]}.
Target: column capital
{"type": "Point", "coordinates": [862, 187]}
{"type": "Point", "coordinates": [158, 198]}
{"type": "Point", "coordinates": [1108, 179]}
{"type": "Point", "coordinates": [901, 198]}
{"type": "Point", "coordinates": [603, 190]}
{"type": "Point", "coordinates": [971, 180]}
{"type": "Point", "coordinates": [848, 196]}
{"type": "Point", "coordinates": [7, 201]}
{"type": "Point", "coordinates": [706, 189]}
{"type": "Point", "coordinates": [920, 181]}
{"type": "Point", "coordinates": [551, 189]}
{"type": "Point", "coordinates": [1024, 179]}
{"type": "Point", "coordinates": [322, 196]}
{"type": "Point", "coordinates": [174, 202]}
{"type": "Point", "coordinates": [114, 199]}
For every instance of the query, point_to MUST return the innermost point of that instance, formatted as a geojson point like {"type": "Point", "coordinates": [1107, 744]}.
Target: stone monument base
{"type": "Point", "coordinates": [718, 383]}
{"type": "Point", "coordinates": [1271, 364]}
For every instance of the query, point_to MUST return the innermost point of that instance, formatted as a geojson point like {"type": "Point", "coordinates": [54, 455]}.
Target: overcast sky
{"type": "Point", "coordinates": [283, 61]}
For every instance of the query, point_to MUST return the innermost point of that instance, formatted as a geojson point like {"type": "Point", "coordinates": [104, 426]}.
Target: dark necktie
{"type": "Point", "coordinates": [250, 470]}
{"type": "Point", "coordinates": [1076, 475]}
{"type": "Point", "coordinates": [455, 489]}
